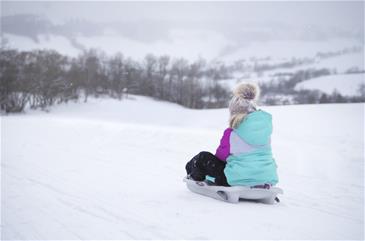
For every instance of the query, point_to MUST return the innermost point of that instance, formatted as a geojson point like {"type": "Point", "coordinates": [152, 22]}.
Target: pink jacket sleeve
{"type": "Point", "coordinates": [223, 150]}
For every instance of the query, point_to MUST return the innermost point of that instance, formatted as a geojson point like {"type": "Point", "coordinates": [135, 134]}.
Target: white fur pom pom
{"type": "Point", "coordinates": [248, 91]}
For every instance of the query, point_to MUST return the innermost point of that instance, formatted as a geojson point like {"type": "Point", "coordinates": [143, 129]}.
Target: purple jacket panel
{"type": "Point", "coordinates": [223, 151]}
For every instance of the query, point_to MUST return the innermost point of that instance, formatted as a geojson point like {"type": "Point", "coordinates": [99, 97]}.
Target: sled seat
{"type": "Point", "coordinates": [262, 193]}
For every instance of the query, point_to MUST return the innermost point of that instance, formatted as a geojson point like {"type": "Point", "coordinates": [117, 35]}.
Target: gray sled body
{"type": "Point", "coordinates": [235, 193]}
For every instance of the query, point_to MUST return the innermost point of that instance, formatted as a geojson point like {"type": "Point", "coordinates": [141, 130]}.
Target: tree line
{"type": "Point", "coordinates": [41, 78]}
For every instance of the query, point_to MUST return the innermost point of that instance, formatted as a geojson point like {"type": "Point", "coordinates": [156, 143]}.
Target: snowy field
{"type": "Point", "coordinates": [346, 84]}
{"type": "Point", "coordinates": [113, 170]}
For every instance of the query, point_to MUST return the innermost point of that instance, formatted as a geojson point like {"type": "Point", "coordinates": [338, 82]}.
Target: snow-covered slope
{"type": "Point", "coordinates": [113, 170]}
{"type": "Point", "coordinates": [345, 84]}
{"type": "Point", "coordinates": [189, 44]}
{"type": "Point", "coordinates": [340, 63]}
{"type": "Point", "coordinates": [284, 50]}
{"type": "Point", "coordinates": [195, 43]}
{"type": "Point", "coordinates": [54, 42]}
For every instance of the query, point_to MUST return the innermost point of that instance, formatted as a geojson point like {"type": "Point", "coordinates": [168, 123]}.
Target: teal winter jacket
{"type": "Point", "coordinates": [250, 161]}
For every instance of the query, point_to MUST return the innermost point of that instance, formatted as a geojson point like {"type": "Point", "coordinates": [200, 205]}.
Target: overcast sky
{"type": "Point", "coordinates": [346, 14]}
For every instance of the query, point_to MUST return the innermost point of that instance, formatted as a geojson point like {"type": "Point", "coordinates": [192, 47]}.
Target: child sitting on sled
{"type": "Point", "coordinates": [244, 155]}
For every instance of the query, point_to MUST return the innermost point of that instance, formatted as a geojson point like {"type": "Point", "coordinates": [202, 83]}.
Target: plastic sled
{"type": "Point", "coordinates": [233, 194]}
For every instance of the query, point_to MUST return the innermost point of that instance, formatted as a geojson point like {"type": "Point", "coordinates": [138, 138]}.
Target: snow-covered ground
{"type": "Point", "coordinates": [54, 42]}
{"type": "Point", "coordinates": [280, 51]}
{"type": "Point", "coordinates": [340, 63]}
{"type": "Point", "coordinates": [113, 170]}
{"type": "Point", "coordinates": [193, 44]}
{"type": "Point", "coordinates": [346, 84]}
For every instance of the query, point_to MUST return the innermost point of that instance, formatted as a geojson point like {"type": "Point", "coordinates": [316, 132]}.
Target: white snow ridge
{"type": "Point", "coordinates": [111, 169]}
{"type": "Point", "coordinates": [345, 84]}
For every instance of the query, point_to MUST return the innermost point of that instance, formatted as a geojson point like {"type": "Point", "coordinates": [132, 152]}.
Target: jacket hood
{"type": "Point", "coordinates": [256, 128]}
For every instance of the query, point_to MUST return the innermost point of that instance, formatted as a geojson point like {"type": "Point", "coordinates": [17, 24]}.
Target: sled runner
{"type": "Point", "coordinates": [264, 194]}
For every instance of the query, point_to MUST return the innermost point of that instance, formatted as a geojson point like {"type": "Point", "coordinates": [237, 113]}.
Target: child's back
{"type": "Point", "coordinates": [250, 161]}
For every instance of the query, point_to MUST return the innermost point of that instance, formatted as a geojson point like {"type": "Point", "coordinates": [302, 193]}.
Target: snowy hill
{"type": "Point", "coordinates": [279, 51]}
{"type": "Point", "coordinates": [347, 85]}
{"type": "Point", "coordinates": [245, 59]}
{"type": "Point", "coordinates": [113, 170]}
{"type": "Point", "coordinates": [58, 43]}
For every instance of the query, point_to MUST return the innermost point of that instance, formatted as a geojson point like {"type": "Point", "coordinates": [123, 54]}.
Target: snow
{"type": "Point", "coordinates": [113, 170]}
{"type": "Point", "coordinates": [54, 42]}
{"type": "Point", "coordinates": [347, 85]}
{"type": "Point", "coordinates": [343, 63]}
{"type": "Point", "coordinates": [284, 50]}
{"type": "Point", "coordinates": [201, 43]}
{"type": "Point", "coordinates": [340, 63]}
{"type": "Point", "coordinates": [189, 44]}
{"type": "Point", "coordinates": [193, 43]}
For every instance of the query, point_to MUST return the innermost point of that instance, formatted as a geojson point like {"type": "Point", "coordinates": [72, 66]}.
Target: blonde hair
{"type": "Point", "coordinates": [235, 120]}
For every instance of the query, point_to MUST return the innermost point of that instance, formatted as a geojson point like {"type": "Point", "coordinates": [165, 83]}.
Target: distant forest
{"type": "Point", "coordinates": [42, 78]}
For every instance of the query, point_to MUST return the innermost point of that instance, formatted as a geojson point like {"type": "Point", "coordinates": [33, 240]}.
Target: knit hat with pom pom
{"type": "Point", "coordinates": [244, 98]}
{"type": "Point", "coordinates": [243, 102]}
